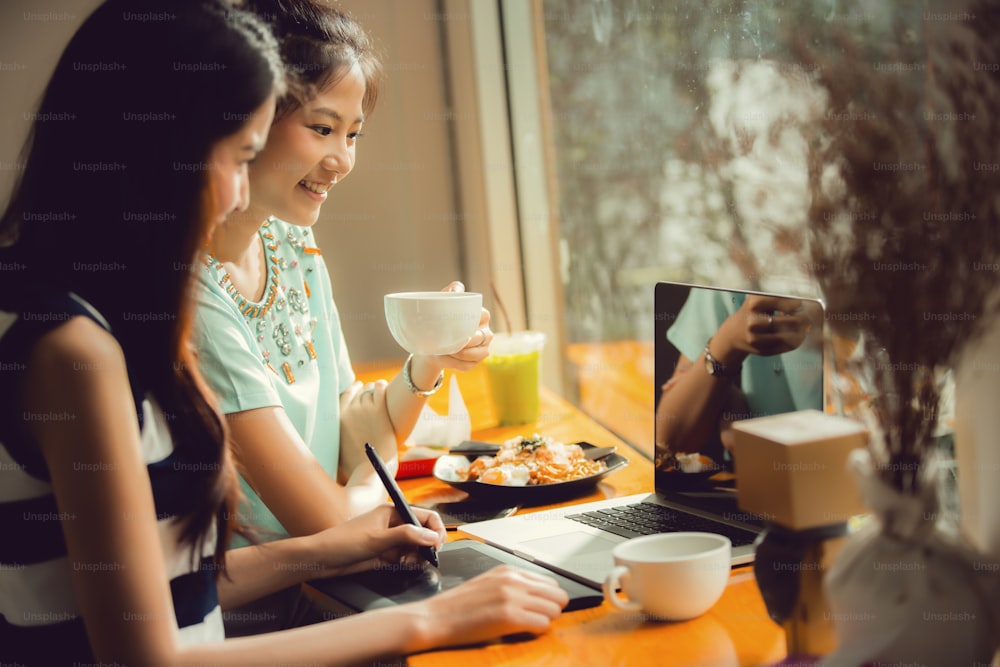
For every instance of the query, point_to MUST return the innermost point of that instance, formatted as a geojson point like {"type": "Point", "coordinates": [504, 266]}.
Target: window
{"type": "Point", "coordinates": [672, 133]}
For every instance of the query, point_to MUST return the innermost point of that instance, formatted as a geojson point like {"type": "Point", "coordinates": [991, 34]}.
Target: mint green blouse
{"type": "Point", "coordinates": [286, 350]}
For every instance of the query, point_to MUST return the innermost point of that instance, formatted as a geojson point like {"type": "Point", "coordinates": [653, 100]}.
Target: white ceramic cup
{"type": "Point", "coordinates": [670, 576]}
{"type": "Point", "coordinates": [433, 322]}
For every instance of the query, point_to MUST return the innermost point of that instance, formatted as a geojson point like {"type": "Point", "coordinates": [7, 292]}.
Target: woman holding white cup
{"type": "Point", "coordinates": [269, 336]}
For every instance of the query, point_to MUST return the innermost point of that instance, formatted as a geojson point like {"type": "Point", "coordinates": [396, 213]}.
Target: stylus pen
{"type": "Point", "coordinates": [402, 507]}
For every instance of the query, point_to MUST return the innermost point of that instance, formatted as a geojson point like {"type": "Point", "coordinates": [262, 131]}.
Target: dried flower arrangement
{"type": "Point", "coordinates": [905, 244]}
{"type": "Point", "coordinates": [904, 236]}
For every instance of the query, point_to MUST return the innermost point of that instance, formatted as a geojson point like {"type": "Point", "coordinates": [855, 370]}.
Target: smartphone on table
{"type": "Point", "coordinates": [455, 514]}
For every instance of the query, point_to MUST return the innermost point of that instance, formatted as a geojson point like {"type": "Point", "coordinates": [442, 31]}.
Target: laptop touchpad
{"type": "Point", "coordinates": [573, 549]}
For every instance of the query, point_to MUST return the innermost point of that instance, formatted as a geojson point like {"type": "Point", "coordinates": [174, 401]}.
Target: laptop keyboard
{"type": "Point", "coordinates": [648, 518]}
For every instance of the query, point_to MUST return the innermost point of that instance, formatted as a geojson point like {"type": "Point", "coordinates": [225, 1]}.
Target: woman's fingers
{"type": "Point", "coordinates": [481, 338]}
{"type": "Point", "coordinates": [537, 585]}
{"type": "Point", "coordinates": [477, 349]}
{"type": "Point", "coordinates": [505, 600]}
{"type": "Point", "coordinates": [391, 541]}
{"type": "Point", "coordinates": [430, 531]}
{"type": "Point", "coordinates": [527, 600]}
{"type": "Point", "coordinates": [353, 390]}
{"type": "Point", "coordinates": [430, 520]}
{"type": "Point", "coordinates": [764, 311]}
{"type": "Point", "coordinates": [408, 535]}
{"type": "Point", "coordinates": [371, 392]}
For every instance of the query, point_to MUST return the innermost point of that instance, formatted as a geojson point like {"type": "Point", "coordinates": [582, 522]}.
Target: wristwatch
{"type": "Point", "coordinates": [719, 370]}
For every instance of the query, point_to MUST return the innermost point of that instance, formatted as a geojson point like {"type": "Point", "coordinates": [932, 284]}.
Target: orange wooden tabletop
{"type": "Point", "coordinates": [736, 631]}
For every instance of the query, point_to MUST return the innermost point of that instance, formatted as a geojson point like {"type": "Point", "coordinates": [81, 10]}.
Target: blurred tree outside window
{"type": "Point", "coordinates": [677, 130]}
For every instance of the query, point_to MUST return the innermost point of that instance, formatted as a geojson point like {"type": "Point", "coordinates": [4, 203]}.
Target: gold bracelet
{"type": "Point", "coordinates": [412, 387]}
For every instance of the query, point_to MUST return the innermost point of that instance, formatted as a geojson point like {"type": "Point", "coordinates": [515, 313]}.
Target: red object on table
{"type": "Point", "coordinates": [415, 468]}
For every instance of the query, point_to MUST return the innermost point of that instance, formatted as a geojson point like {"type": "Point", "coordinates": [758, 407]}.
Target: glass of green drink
{"type": "Point", "coordinates": [513, 372]}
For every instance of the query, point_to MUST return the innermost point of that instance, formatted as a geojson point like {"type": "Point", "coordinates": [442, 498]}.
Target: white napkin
{"type": "Point", "coordinates": [442, 431]}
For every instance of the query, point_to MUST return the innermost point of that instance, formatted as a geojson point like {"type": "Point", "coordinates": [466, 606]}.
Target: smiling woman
{"type": "Point", "coordinates": [270, 335]}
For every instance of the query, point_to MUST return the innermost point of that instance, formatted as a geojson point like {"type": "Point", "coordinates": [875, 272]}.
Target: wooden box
{"type": "Point", "coordinates": [791, 468]}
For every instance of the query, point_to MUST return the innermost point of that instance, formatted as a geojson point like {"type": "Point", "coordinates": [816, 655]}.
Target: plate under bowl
{"type": "Point", "coordinates": [538, 494]}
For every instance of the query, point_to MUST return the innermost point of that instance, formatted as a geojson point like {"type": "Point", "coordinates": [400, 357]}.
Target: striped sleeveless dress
{"type": "Point", "coordinates": [39, 620]}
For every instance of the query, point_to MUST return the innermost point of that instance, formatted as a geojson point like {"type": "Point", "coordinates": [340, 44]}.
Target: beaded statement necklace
{"type": "Point", "coordinates": [264, 315]}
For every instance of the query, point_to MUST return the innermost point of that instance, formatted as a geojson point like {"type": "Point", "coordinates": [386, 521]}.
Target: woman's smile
{"type": "Point", "coordinates": [316, 190]}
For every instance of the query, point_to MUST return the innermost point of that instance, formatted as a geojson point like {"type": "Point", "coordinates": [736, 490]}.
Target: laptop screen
{"type": "Point", "coordinates": [768, 354]}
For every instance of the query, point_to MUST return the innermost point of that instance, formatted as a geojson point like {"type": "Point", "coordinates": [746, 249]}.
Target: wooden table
{"type": "Point", "coordinates": [736, 631]}
{"type": "Point", "coordinates": [615, 383]}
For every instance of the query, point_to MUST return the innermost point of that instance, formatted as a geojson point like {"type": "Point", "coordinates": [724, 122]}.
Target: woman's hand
{"type": "Point", "coordinates": [763, 325]}
{"type": "Point", "coordinates": [502, 601]}
{"type": "Point", "coordinates": [377, 539]}
{"type": "Point", "coordinates": [364, 417]}
{"type": "Point", "coordinates": [405, 405]}
{"type": "Point", "coordinates": [476, 349]}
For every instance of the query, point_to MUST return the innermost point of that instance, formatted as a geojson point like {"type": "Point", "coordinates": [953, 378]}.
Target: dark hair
{"type": "Point", "coordinates": [319, 45]}
{"type": "Point", "coordinates": [114, 199]}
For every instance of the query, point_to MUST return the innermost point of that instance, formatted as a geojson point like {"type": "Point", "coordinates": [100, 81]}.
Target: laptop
{"type": "Point", "coordinates": [577, 541]}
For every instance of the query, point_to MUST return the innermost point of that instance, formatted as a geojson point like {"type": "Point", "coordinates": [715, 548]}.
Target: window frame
{"type": "Point", "coordinates": [505, 175]}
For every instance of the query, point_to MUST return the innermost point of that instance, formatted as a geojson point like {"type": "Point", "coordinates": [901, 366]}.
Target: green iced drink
{"type": "Point", "coordinates": [512, 369]}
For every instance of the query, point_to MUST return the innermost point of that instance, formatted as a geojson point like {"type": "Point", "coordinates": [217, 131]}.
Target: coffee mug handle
{"type": "Point", "coordinates": [610, 593]}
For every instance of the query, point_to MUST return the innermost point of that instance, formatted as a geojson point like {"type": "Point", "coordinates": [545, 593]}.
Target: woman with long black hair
{"type": "Point", "coordinates": [117, 493]}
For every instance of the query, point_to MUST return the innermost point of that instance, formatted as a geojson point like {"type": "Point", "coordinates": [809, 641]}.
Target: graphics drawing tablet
{"type": "Point", "coordinates": [460, 561]}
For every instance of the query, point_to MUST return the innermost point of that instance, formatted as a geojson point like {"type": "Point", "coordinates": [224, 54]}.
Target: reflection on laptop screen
{"type": "Point", "coordinates": [767, 358]}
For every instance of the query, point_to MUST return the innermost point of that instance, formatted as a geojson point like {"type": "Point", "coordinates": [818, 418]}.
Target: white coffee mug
{"type": "Point", "coordinates": [433, 322]}
{"type": "Point", "coordinates": [670, 576]}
